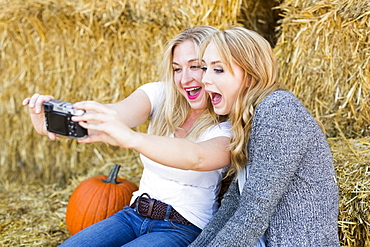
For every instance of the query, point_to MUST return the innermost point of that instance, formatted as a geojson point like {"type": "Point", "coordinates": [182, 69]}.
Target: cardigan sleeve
{"type": "Point", "coordinates": [280, 133]}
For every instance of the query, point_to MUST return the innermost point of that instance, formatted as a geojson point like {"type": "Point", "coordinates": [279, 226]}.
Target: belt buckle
{"type": "Point", "coordinates": [151, 204]}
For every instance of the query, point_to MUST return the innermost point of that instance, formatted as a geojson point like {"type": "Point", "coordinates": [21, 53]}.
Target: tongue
{"type": "Point", "coordinates": [216, 97]}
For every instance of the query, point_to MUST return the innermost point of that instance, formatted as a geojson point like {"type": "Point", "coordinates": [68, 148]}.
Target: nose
{"type": "Point", "coordinates": [205, 79]}
{"type": "Point", "coordinates": [186, 76]}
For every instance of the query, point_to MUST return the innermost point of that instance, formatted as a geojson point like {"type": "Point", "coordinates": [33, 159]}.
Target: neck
{"type": "Point", "coordinates": [188, 123]}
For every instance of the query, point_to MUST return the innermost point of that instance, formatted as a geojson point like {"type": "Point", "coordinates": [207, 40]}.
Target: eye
{"type": "Point", "coordinates": [176, 70]}
{"type": "Point", "coordinates": [195, 67]}
{"type": "Point", "coordinates": [204, 68]}
{"type": "Point", "coordinates": [218, 70]}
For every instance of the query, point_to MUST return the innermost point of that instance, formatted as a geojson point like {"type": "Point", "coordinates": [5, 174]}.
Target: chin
{"type": "Point", "coordinates": [221, 111]}
{"type": "Point", "coordinates": [198, 105]}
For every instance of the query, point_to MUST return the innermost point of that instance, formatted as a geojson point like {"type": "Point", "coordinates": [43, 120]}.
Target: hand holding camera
{"type": "Point", "coordinates": [100, 123]}
{"type": "Point", "coordinates": [58, 117]}
{"type": "Point", "coordinates": [54, 118]}
{"type": "Point", "coordinates": [105, 124]}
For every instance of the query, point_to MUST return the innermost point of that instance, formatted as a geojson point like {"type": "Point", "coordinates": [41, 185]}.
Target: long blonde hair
{"type": "Point", "coordinates": [175, 108]}
{"type": "Point", "coordinates": [254, 55]}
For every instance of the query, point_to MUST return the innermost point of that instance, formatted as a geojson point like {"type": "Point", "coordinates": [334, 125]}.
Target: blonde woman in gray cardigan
{"type": "Point", "coordinates": [284, 192]}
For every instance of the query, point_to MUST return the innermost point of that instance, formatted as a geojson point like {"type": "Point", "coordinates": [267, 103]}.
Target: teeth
{"type": "Point", "coordinates": [192, 89]}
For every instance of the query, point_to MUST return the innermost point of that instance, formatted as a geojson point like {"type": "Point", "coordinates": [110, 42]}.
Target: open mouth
{"type": "Point", "coordinates": [215, 98]}
{"type": "Point", "coordinates": [193, 92]}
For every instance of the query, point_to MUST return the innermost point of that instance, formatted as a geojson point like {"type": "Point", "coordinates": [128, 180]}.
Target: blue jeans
{"type": "Point", "coordinates": [127, 228]}
{"type": "Point", "coordinates": [261, 242]}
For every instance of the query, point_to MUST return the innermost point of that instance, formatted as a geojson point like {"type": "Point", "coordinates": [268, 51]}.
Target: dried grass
{"type": "Point", "coordinates": [81, 50]}
{"type": "Point", "coordinates": [261, 16]}
{"type": "Point", "coordinates": [324, 57]}
{"type": "Point", "coordinates": [103, 50]}
{"type": "Point", "coordinates": [33, 214]}
{"type": "Point", "coordinates": [352, 164]}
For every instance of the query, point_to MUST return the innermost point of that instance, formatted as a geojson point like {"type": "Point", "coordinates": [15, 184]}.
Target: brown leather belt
{"type": "Point", "coordinates": [157, 210]}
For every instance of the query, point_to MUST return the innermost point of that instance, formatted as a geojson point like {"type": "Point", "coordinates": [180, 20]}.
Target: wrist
{"type": "Point", "coordinates": [134, 140]}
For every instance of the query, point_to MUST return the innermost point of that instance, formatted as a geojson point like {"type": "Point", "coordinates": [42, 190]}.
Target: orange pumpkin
{"type": "Point", "coordinates": [97, 198]}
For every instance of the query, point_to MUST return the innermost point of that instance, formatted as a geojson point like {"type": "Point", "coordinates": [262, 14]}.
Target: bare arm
{"type": "Point", "coordinates": [174, 152]}
{"type": "Point", "coordinates": [133, 110]}
{"type": "Point", "coordinates": [181, 153]}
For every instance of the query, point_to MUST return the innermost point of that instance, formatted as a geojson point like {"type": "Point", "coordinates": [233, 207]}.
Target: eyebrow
{"type": "Point", "coordinates": [213, 62]}
{"type": "Point", "coordinates": [190, 61]}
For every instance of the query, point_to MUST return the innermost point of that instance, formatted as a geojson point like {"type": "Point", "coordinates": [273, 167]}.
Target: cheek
{"type": "Point", "coordinates": [204, 96]}
{"type": "Point", "coordinates": [233, 93]}
{"type": "Point", "coordinates": [230, 90]}
{"type": "Point", "coordinates": [177, 78]}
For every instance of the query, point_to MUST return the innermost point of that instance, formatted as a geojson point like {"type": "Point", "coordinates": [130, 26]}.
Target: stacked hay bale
{"type": "Point", "coordinates": [352, 163]}
{"type": "Point", "coordinates": [103, 50]}
{"type": "Point", "coordinates": [82, 50]}
{"type": "Point", "coordinates": [324, 55]}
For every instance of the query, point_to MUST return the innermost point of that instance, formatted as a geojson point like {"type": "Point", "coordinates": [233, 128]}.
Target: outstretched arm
{"type": "Point", "coordinates": [133, 110]}
{"type": "Point", "coordinates": [174, 152]}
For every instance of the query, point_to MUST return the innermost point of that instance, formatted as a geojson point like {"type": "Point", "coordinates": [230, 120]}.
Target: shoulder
{"type": "Point", "coordinates": [153, 87]}
{"type": "Point", "coordinates": [282, 104]}
{"type": "Point", "coordinates": [283, 111]}
{"type": "Point", "coordinates": [279, 97]}
{"type": "Point", "coordinates": [156, 92]}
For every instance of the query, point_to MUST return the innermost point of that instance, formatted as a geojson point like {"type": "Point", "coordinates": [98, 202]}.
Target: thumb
{"type": "Point", "coordinates": [52, 136]}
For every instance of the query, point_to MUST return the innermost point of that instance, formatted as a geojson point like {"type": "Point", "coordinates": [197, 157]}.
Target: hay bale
{"type": "Point", "coordinates": [82, 50]}
{"type": "Point", "coordinates": [103, 50]}
{"type": "Point", "coordinates": [324, 56]}
{"type": "Point", "coordinates": [352, 164]}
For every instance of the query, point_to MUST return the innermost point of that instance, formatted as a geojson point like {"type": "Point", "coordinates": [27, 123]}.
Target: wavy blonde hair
{"type": "Point", "coordinates": [175, 108]}
{"type": "Point", "coordinates": [254, 55]}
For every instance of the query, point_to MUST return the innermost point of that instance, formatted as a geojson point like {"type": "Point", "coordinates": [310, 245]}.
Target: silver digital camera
{"type": "Point", "coordinates": [58, 116]}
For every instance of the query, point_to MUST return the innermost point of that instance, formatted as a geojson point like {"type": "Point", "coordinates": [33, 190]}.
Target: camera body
{"type": "Point", "coordinates": [58, 116]}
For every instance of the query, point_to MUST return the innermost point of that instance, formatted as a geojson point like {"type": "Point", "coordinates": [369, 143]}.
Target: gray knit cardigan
{"type": "Point", "coordinates": [291, 194]}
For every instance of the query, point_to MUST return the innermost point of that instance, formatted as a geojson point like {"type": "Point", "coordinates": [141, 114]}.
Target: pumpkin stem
{"type": "Point", "coordinates": [113, 175]}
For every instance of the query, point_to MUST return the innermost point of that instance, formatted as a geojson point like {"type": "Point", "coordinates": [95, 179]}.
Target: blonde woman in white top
{"type": "Point", "coordinates": [184, 153]}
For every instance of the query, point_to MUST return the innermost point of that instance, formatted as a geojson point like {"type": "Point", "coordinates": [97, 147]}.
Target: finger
{"type": "Point", "coordinates": [92, 126]}
{"type": "Point", "coordinates": [39, 104]}
{"type": "Point", "coordinates": [26, 101]}
{"type": "Point", "coordinates": [33, 100]}
{"type": "Point", "coordinates": [92, 106]}
{"type": "Point", "coordinates": [90, 139]}
{"type": "Point", "coordinates": [92, 117]}
{"type": "Point", "coordinates": [52, 136]}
